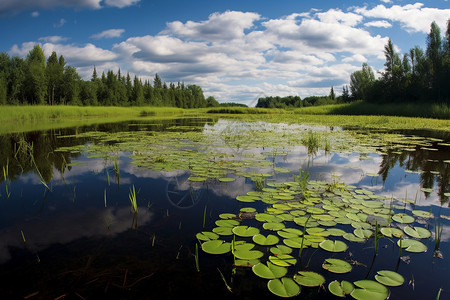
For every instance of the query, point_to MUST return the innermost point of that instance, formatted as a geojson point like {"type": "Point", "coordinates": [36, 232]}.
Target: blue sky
{"type": "Point", "coordinates": [235, 50]}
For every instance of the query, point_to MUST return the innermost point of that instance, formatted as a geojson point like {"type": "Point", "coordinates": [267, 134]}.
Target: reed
{"type": "Point", "coordinates": [197, 264]}
{"type": "Point", "coordinates": [133, 199]}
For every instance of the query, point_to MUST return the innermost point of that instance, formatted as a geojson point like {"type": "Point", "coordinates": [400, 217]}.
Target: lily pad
{"type": "Point", "coordinates": [281, 249]}
{"type": "Point", "coordinates": [417, 232]}
{"type": "Point", "coordinates": [403, 218]}
{"type": "Point", "coordinates": [216, 247]}
{"type": "Point", "coordinates": [412, 245]}
{"type": "Point", "coordinates": [335, 265]}
{"type": "Point", "coordinates": [286, 287]}
{"type": "Point", "coordinates": [341, 289]}
{"type": "Point", "coordinates": [283, 260]}
{"type": "Point", "coordinates": [389, 278]}
{"type": "Point", "coordinates": [207, 236]}
{"type": "Point", "coordinates": [266, 240]}
{"type": "Point", "coordinates": [223, 230]}
{"type": "Point", "coordinates": [309, 278]}
{"type": "Point", "coordinates": [423, 214]}
{"type": "Point", "coordinates": [369, 289]}
{"type": "Point", "coordinates": [244, 251]}
{"type": "Point", "coordinates": [269, 271]}
{"type": "Point", "coordinates": [245, 231]}
{"type": "Point", "coordinates": [333, 246]}
{"type": "Point", "coordinates": [390, 231]}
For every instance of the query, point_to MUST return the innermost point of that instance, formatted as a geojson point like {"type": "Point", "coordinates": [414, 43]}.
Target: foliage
{"type": "Point", "coordinates": [37, 81]}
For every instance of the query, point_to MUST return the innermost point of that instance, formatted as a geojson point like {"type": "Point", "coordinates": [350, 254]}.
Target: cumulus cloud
{"type": "Point", "coordinates": [14, 6]}
{"type": "Point", "coordinates": [412, 17]}
{"type": "Point", "coordinates": [53, 39]}
{"type": "Point", "coordinates": [382, 23]}
{"type": "Point", "coordinates": [107, 34]}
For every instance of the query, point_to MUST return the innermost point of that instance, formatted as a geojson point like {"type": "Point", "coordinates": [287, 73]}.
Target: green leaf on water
{"type": "Point", "coordinates": [269, 271]}
{"type": "Point", "coordinates": [403, 218]}
{"type": "Point", "coordinates": [283, 260]}
{"type": "Point", "coordinates": [286, 287]}
{"type": "Point", "coordinates": [389, 278]}
{"type": "Point", "coordinates": [412, 245]}
{"type": "Point", "coordinates": [390, 231]}
{"type": "Point", "coordinates": [266, 240]}
{"type": "Point", "coordinates": [281, 249]}
{"type": "Point", "coordinates": [417, 232]}
{"type": "Point", "coordinates": [245, 231]}
{"type": "Point", "coordinates": [335, 265]}
{"type": "Point", "coordinates": [369, 289]}
{"type": "Point", "coordinates": [309, 278]}
{"type": "Point", "coordinates": [216, 247]}
{"type": "Point", "coordinates": [333, 246]}
{"type": "Point", "coordinates": [423, 214]}
{"type": "Point", "coordinates": [341, 289]}
{"type": "Point", "coordinates": [207, 236]}
{"type": "Point", "coordinates": [244, 251]}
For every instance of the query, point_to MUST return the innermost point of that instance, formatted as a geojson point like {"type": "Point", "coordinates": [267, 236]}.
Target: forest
{"type": "Point", "coordinates": [35, 80]}
{"type": "Point", "coordinates": [418, 76]}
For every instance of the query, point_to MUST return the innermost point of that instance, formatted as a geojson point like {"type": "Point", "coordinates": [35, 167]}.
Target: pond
{"type": "Point", "coordinates": [231, 209]}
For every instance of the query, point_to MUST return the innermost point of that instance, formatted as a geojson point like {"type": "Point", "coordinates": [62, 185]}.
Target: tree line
{"type": "Point", "coordinates": [35, 80]}
{"type": "Point", "coordinates": [416, 76]}
{"type": "Point", "coordinates": [296, 101]}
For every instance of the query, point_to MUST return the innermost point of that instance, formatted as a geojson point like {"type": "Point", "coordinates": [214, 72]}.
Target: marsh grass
{"type": "Point", "coordinates": [133, 200]}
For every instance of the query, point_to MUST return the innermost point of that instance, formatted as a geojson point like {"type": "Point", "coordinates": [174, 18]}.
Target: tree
{"type": "Point", "coordinates": [35, 79]}
{"type": "Point", "coordinates": [345, 94]}
{"type": "Point", "coordinates": [211, 102]}
{"type": "Point", "coordinates": [157, 83]}
{"type": "Point", "coordinates": [71, 83]}
{"type": "Point", "coordinates": [434, 55]}
{"type": "Point", "coordinates": [332, 95]}
{"type": "Point", "coordinates": [54, 74]}
{"type": "Point", "coordinates": [360, 82]}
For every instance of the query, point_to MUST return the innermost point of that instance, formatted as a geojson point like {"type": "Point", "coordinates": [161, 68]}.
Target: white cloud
{"type": "Point", "coordinates": [53, 39]}
{"type": "Point", "coordinates": [61, 23]}
{"type": "Point", "coordinates": [110, 33]}
{"type": "Point", "coordinates": [35, 14]}
{"type": "Point", "coordinates": [382, 23]}
{"type": "Point", "coordinates": [219, 26]}
{"type": "Point", "coordinates": [412, 17]}
{"type": "Point", "coordinates": [8, 7]}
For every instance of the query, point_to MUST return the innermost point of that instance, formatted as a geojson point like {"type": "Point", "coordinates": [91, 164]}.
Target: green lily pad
{"type": "Point", "coordinates": [216, 247]}
{"type": "Point", "coordinates": [335, 265]}
{"type": "Point", "coordinates": [417, 232]}
{"type": "Point", "coordinates": [423, 214]}
{"type": "Point", "coordinates": [281, 249]}
{"type": "Point", "coordinates": [369, 289]}
{"type": "Point", "coordinates": [309, 278]}
{"type": "Point", "coordinates": [207, 236]}
{"type": "Point", "coordinates": [412, 245]}
{"type": "Point", "coordinates": [283, 260]}
{"type": "Point", "coordinates": [269, 271]}
{"type": "Point", "coordinates": [389, 278]}
{"type": "Point", "coordinates": [341, 289]}
{"type": "Point", "coordinates": [227, 223]}
{"type": "Point", "coordinates": [245, 231]}
{"type": "Point", "coordinates": [223, 230]}
{"type": "Point", "coordinates": [403, 218]}
{"type": "Point", "coordinates": [333, 246]}
{"type": "Point", "coordinates": [196, 178]}
{"type": "Point", "coordinates": [249, 199]}
{"type": "Point", "coordinates": [286, 287]}
{"type": "Point", "coordinates": [390, 231]}
{"type": "Point", "coordinates": [226, 179]}
{"type": "Point", "coordinates": [275, 226]}
{"type": "Point", "coordinates": [363, 233]}
{"type": "Point", "coordinates": [336, 231]}
{"type": "Point", "coordinates": [244, 251]}
{"type": "Point", "coordinates": [266, 240]}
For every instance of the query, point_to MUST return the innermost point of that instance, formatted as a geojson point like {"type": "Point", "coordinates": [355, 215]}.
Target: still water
{"type": "Point", "coordinates": [68, 229]}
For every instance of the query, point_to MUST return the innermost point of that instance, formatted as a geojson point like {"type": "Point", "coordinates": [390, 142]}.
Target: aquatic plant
{"type": "Point", "coordinates": [133, 200]}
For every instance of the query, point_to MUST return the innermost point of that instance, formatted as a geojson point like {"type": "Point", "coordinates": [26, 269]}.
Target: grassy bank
{"type": "Point", "coordinates": [434, 111]}
{"type": "Point", "coordinates": [28, 117]}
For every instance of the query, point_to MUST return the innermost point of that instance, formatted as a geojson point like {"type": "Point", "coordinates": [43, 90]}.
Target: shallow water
{"type": "Point", "coordinates": [78, 237]}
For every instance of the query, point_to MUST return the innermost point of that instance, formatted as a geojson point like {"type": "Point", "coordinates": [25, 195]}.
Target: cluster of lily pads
{"type": "Point", "coordinates": [298, 217]}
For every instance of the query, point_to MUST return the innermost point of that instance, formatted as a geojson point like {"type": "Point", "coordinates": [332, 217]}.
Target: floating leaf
{"type": "Point", "coordinates": [412, 245]}
{"type": "Point", "coordinates": [336, 265]}
{"type": "Point", "coordinates": [266, 240]}
{"type": "Point", "coordinates": [216, 247]}
{"type": "Point", "coordinates": [273, 226]}
{"type": "Point", "coordinates": [423, 214]}
{"type": "Point", "coordinates": [333, 246]}
{"type": "Point", "coordinates": [223, 230]}
{"type": "Point", "coordinates": [362, 233]}
{"type": "Point", "coordinates": [309, 278]}
{"type": "Point", "coordinates": [269, 271]}
{"type": "Point", "coordinates": [226, 179]}
{"type": "Point", "coordinates": [403, 218]}
{"type": "Point", "coordinates": [245, 231]}
{"type": "Point", "coordinates": [207, 236]}
{"type": "Point", "coordinates": [281, 249]}
{"type": "Point", "coordinates": [389, 232]}
{"type": "Point", "coordinates": [340, 289]}
{"type": "Point", "coordinates": [227, 223]}
{"type": "Point", "coordinates": [286, 287]}
{"type": "Point", "coordinates": [244, 251]}
{"type": "Point", "coordinates": [417, 232]}
{"type": "Point", "coordinates": [369, 289]}
{"type": "Point", "coordinates": [283, 260]}
{"type": "Point", "coordinates": [389, 278]}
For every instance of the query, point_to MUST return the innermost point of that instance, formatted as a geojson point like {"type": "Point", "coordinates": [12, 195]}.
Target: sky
{"type": "Point", "coordinates": [236, 50]}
